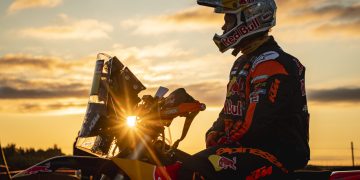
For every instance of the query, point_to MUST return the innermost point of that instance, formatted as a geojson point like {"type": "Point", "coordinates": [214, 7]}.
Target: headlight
{"type": "Point", "coordinates": [131, 121]}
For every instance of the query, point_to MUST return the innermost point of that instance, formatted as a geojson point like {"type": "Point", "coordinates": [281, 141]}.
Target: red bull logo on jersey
{"type": "Point", "coordinates": [234, 109]}
{"type": "Point", "coordinates": [222, 163]}
{"type": "Point", "coordinates": [233, 87]}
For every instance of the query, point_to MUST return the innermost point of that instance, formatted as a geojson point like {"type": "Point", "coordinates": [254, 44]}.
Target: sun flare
{"type": "Point", "coordinates": [131, 121]}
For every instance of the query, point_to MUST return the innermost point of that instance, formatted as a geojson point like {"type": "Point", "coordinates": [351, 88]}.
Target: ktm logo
{"type": "Point", "coordinates": [260, 173]}
{"type": "Point", "coordinates": [273, 90]}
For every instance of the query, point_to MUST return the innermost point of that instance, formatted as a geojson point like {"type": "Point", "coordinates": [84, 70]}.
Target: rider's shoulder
{"type": "Point", "coordinates": [290, 63]}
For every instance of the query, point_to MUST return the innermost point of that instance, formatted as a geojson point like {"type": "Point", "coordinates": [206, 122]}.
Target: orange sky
{"type": "Point", "coordinates": [48, 50]}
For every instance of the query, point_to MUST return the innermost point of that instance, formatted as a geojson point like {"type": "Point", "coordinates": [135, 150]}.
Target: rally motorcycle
{"type": "Point", "coordinates": [123, 136]}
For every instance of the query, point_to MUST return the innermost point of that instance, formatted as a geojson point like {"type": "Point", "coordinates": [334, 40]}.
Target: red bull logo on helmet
{"type": "Point", "coordinates": [222, 163]}
{"type": "Point", "coordinates": [240, 32]}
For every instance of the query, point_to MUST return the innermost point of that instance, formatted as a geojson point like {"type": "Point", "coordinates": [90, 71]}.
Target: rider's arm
{"type": "Point", "coordinates": [270, 95]}
{"type": "Point", "coordinates": [216, 130]}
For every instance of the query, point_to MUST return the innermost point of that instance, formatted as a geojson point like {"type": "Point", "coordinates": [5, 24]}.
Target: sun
{"type": "Point", "coordinates": [131, 121]}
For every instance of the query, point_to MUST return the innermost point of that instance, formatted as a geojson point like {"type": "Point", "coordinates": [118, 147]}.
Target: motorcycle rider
{"type": "Point", "coordinates": [262, 130]}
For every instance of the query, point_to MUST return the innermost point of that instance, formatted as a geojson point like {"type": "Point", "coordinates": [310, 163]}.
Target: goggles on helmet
{"type": "Point", "coordinates": [253, 17]}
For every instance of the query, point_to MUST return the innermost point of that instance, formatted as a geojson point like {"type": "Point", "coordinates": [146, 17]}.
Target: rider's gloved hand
{"type": "Point", "coordinates": [211, 138]}
{"type": "Point", "coordinates": [224, 140]}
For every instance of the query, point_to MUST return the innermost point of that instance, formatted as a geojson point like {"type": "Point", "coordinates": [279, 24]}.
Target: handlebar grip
{"type": "Point", "coordinates": [182, 109]}
{"type": "Point", "coordinates": [202, 107]}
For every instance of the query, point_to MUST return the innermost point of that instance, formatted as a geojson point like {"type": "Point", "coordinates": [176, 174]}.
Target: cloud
{"type": "Point", "coordinates": [22, 60]}
{"type": "Point", "coordinates": [43, 68]}
{"type": "Point", "coordinates": [18, 67]}
{"type": "Point", "coordinates": [39, 62]}
{"type": "Point", "coordinates": [289, 5]}
{"type": "Point", "coordinates": [199, 15]}
{"type": "Point", "coordinates": [344, 94]}
{"type": "Point", "coordinates": [60, 92]}
{"type": "Point", "coordinates": [212, 93]}
{"type": "Point", "coordinates": [340, 29]}
{"type": "Point", "coordinates": [324, 18]}
{"type": "Point", "coordinates": [296, 18]}
{"type": "Point", "coordinates": [54, 106]}
{"type": "Point", "coordinates": [27, 76]}
{"type": "Point", "coordinates": [165, 63]}
{"type": "Point", "coordinates": [161, 50]}
{"type": "Point", "coordinates": [49, 106]}
{"type": "Point", "coordinates": [69, 29]}
{"type": "Point", "coordinates": [19, 5]}
{"type": "Point", "coordinates": [192, 19]}
{"type": "Point", "coordinates": [153, 64]}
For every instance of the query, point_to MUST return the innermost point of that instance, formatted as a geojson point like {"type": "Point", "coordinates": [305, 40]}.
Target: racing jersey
{"type": "Point", "coordinates": [266, 107]}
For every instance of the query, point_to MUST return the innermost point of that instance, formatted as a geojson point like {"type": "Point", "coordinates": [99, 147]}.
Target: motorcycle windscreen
{"type": "Point", "coordinates": [125, 88]}
{"type": "Point", "coordinates": [95, 119]}
{"type": "Point", "coordinates": [92, 138]}
{"type": "Point", "coordinates": [94, 145]}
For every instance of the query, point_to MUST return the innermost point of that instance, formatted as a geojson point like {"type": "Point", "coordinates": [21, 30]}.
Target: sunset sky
{"type": "Point", "coordinates": [48, 50]}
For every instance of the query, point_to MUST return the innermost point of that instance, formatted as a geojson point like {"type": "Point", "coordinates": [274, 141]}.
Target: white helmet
{"type": "Point", "coordinates": [253, 17]}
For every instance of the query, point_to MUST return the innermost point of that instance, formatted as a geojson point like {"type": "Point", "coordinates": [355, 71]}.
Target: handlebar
{"type": "Point", "coordinates": [183, 109]}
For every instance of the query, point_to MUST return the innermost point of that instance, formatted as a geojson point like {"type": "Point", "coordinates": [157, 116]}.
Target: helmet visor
{"type": "Point", "coordinates": [226, 4]}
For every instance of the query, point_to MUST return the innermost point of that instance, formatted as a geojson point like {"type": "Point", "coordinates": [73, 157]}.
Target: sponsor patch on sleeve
{"type": "Point", "coordinates": [270, 55]}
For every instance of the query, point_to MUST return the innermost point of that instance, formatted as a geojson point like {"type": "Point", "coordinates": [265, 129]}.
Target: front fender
{"type": "Point", "coordinates": [88, 166]}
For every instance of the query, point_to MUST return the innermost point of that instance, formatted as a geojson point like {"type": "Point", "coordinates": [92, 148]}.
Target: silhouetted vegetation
{"type": "Point", "coordinates": [22, 158]}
